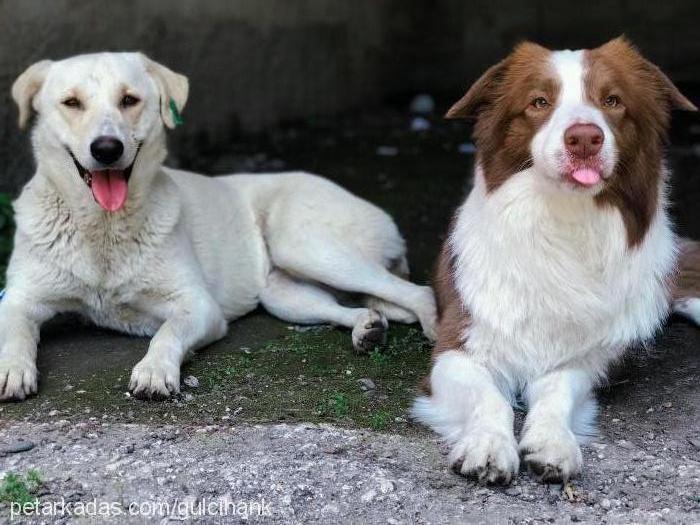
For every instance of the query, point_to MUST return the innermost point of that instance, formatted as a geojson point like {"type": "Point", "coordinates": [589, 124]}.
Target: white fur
{"type": "Point", "coordinates": [554, 294]}
{"type": "Point", "coordinates": [187, 253]}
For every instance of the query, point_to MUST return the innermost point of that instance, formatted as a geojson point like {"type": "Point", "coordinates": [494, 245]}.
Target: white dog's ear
{"type": "Point", "coordinates": [172, 87]}
{"type": "Point", "coordinates": [26, 87]}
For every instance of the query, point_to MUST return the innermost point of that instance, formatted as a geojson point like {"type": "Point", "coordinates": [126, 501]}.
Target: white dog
{"type": "Point", "coordinates": [104, 230]}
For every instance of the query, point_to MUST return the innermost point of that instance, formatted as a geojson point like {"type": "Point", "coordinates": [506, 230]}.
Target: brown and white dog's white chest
{"type": "Point", "coordinates": [549, 280]}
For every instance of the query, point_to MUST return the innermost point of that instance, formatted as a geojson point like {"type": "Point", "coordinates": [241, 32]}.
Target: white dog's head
{"type": "Point", "coordinates": [99, 115]}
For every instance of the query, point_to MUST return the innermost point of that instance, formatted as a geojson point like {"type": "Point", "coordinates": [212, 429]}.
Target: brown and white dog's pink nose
{"type": "Point", "coordinates": [583, 140]}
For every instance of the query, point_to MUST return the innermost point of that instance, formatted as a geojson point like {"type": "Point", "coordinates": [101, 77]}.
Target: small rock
{"type": "Point", "coordinates": [366, 384]}
{"type": "Point", "coordinates": [191, 382]}
{"type": "Point", "coordinates": [694, 442]}
{"type": "Point", "coordinates": [466, 148]}
{"type": "Point", "coordinates": [17, 447]}
{"type": "Point", "coordinates": [368, 496]}
{"type": "Point", "coordinates": [387, 151]}
{"type": "Point", "coordinates": [420, 124]}
{"type": "Point", "coordinates": [188, 396]}
{"type": "Point", "coordinates": [606, 503]}
{"type": "Point", "coordinates": [422, 104]}
{"type": "Point", "coordinates": [514, 491]}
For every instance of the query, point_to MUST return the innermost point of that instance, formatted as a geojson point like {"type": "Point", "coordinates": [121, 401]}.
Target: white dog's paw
{"type": "Point", "coordinates": [552, 454]}
{"type": "Point", "coordinates": [154, 379]}
{"type": "Point", "coordinates": [487, 456]}
{"type": "Point", "coordinates": [427, 313]}
{"type": "Point", "coordinates": [18, 379]}
{"type": "Point", "coordinates": [369, 331]}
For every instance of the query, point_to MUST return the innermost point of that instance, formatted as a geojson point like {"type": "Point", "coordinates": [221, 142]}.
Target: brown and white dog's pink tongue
{"type": "Point", "coordinates": [586, 176]}
{"type": "Point", "coordinates": [109, 187]}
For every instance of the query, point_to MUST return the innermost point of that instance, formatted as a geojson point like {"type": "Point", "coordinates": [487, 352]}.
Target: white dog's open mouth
{"type": "Point", "coordinates": [110, 186]}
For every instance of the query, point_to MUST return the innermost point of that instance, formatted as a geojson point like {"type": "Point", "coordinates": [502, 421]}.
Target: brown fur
{"type": "Point", "coordinates": [640, 124]}
{"type": "Point", "coordinates": [501, 100]}
{"type": "Point", "coordinates": [453, 318]}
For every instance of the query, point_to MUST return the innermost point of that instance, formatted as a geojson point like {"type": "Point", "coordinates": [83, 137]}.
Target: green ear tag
{"type": "Point", "coordinates": [177, 118]}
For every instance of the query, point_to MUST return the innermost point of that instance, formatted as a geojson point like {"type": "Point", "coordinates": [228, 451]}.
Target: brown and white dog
{"type": "Point", "coordinates": [562, 256]}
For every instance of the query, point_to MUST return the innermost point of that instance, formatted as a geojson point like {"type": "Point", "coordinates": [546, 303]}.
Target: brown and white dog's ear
{"type": "Point", "coordinates": [171, 86]}
{"type": "Point", "coordinates": [620, 46]}
{"type": "Point", "coordinates": [26, 87]}
{"type": "Point", "coordinates": [478, 94]}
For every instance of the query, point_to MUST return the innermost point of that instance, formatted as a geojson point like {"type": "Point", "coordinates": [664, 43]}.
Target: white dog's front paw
{"type": "Point", "coordinates": [550, 453]}
{"type": "Point", "coordinates": [18, 379]}
{"type": "Point", "coordinates": [488, 456]}
{"type": "Point", "coordinates": [153, 379]}
{"type": "Point", "coordinates": [369, 331]}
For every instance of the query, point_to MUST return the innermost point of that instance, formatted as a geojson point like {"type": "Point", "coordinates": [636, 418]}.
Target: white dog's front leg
{"type": "Point", "coordinates": [193, 322]}
{"type": "Point", "coordinates": [561, 409]}
{"type": "Point", "coordinates": [20, 320]}
{"type": "Point", "coordinates": [467, 408]}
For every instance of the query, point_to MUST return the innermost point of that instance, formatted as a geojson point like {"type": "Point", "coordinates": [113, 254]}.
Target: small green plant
{"type": "Point", "coordinates": [379, 420]}
{"type": "Point", "coordinates": [20, 490]}
{"type": "Point", "coordinates": [340, 404]}
{"type": "Point", "coordinates": [379, 358]}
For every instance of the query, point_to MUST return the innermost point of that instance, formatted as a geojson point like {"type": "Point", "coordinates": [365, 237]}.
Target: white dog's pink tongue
{"type": "Point", "coordinates": [586, 176]}
{"type": "Point", "coordinates": [109, 188]}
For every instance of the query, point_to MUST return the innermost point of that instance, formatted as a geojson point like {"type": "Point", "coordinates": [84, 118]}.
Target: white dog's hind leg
{"type": "Point", "coordinates": [470, 412]}
{"type": "Point", "coordinates": [328, 260]}
{"type": "Point", "coordinates": [305, 303]}
{"type": "Point", "coordinates": [193, 321]}
{"type": "Point", "coordinates": [561, 409]}
{"type": "Point", "coordinates": [688, 307]}
{"type": "Point", "coordinates": [19, 336]}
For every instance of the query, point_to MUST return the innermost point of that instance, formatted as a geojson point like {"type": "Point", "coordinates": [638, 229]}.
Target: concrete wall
{"type": "Point", "coordinates": [255, 63]}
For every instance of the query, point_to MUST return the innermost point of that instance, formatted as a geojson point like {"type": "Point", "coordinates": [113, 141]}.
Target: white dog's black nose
{"type": "Point", "coordinates": [106, 150]}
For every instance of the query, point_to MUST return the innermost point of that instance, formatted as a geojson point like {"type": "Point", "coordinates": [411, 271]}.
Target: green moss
{"type": "Point", "coordinates": [301, 376]}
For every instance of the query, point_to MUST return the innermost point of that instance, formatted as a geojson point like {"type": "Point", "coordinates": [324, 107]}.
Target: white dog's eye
{"type": "Point", "coordinates": [128, 101]}
{"type": "Point", "coordinates": [73, 103]}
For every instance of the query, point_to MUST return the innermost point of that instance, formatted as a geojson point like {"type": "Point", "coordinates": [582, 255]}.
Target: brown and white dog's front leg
{"type": "Point", "coordinates": [471, 413]}
{"type": "Point", "coordinates": [21, 316]}
{"type": "Point", "coordinates": [561, 412]}
{"type": "Point", "coordinates": [193, 320]}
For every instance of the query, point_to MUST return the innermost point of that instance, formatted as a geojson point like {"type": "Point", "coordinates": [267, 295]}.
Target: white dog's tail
{"type": "Point", "coordinates": [686, 294]}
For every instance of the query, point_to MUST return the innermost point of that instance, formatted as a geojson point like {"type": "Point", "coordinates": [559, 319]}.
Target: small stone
{"type": "Point", "coordinates": [605, 503]}
{"type": "Point", "coordinates": [17, 447]}
{"type": "Point", "coordinates": [694, 442]}
{"type": "Point", "coordinates": [191, 382]}
{"type": "Point", "coordinates": [366, 384]}
{"type": "Point", "coordinates": [422, 104]}
{"type": "Point", "coordinates": [514, 491]}
{"type": "Point", "coordinates": [368, 496]}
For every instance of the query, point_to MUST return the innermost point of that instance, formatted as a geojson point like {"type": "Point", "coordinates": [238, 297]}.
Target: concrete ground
{"type": "Point", "coordinates": [292, 416]}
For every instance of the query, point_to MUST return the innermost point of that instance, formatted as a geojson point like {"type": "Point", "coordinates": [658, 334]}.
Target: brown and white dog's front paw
{"type": "Point", "coordinates": [369, 331]}
{"type": "Point", "coordinates": [552, 455]}
{"type": "Point", "coordinates": [18, 379]}
{"type": "Point", "coordinates": [154, 379]}
{"type": "Point", "coordinates": [487, 456]}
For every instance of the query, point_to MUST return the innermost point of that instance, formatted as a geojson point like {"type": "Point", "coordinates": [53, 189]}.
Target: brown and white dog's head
{"type": "Point", "coordinates": [97, 115]}
{"type": "Point", "coordinates": [583, 119]}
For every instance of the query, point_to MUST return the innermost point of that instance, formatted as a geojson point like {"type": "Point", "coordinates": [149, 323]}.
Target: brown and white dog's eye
{"type": "Point", "coordinates": [611, 101]}
{"type": "Point", "coordinates": [128, 101]}
{"type": "Point", "coordinates": [539, 103]}
{"type": "Point", "coordinates": [73, 103]}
